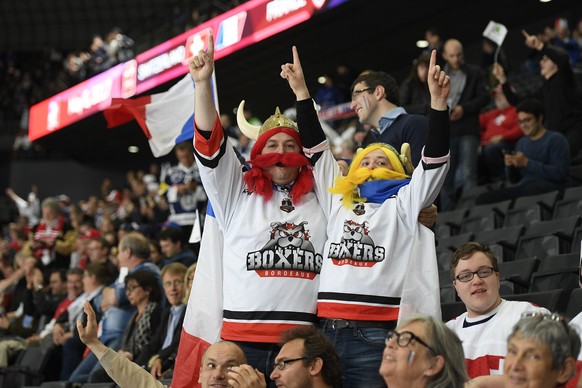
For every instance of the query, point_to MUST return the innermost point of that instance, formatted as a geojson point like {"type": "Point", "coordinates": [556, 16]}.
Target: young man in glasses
{"type": "Point", "coordinates": [376, 101]}
{"type": "Point", "coordinates": [486, 325]}
{"type": "Point", "coordinates": [307, 359]}
{"type": "Point", "coordinates": [541, 160]}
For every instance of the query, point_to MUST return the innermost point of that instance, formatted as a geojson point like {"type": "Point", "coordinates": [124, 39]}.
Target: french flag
{"type": "Point", "coordinates": [203, 320]}
{"type": "Point", "coordinates": [166, 118]}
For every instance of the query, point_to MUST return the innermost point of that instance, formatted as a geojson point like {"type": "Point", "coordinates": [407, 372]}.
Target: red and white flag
{"type": "Point", "coordinates": [166, 118]}
{"type": "Point", "coordinates": [203, 320]}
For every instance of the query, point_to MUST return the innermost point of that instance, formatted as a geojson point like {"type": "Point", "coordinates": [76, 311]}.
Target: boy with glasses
{"type": "Point", "coordinates": [487, 323]}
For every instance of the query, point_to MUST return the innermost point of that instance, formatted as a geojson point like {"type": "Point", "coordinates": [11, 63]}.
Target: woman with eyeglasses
{"type": "Point", "coordinates": [541, 352]}
{"type": "Point", "coordinates": [423, 352]}
{"type": "Point", "coordinates": [143, 292]}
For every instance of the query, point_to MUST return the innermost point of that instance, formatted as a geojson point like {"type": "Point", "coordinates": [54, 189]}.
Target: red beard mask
{"type": "Point", "coordinates": [259, 182]}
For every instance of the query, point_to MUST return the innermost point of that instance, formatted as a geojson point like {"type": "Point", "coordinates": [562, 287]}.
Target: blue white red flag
{"type": "Point", "coordinates": [166, 118]}
{"type": "Point", "coordinates": [203, 320]}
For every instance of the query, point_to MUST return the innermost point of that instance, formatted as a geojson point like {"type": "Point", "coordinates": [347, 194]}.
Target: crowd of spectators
{"type": "Point", "coordinates": [30, 77]}
{"type": "Point", "coordinates": [119, 250]}
{"type": "Point", "coordinates": [54, 245]}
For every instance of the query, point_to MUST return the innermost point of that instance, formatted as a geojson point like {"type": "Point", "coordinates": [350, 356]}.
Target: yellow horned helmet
{"type": "Point", "coordinates": [401, 162]}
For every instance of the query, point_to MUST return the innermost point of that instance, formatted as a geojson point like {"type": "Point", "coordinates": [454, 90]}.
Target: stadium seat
{"type": "Point", "coordinates": [452, 310]}
{"type": "Point", "coordinates": [533, 208]}
{"type": "Point", "coordinates": [515, 276]}
{"type": "Point", "coordinates": [449, 223]}
{"type": "Point", "coordinates": [565, 260]}
{"type": "Point", "coordinates": [502, 242]}
{"type": "Point", "coordinates": [485, 217]}
{"type": "Point", "coordinates": [576, 239]}
{"type": "Point", "coordinates": [575, 174]}
{"type": "Point", "coordinates": [468, 201]}
{"type": "Point", "coordinates": [554, 300]}
{"type": "Point", "coordinates": [444, 260]}
{"type": "Point", "coordinates": [56, 384]}
{"type": "Point", "coordinates": [571, 203]}
{"type": "Point", "coordinates": [446, 246]}
{"type": "Point", "coordinates": [547, 238]}
{"type": "Point", "coordinates": [26, 371]}
{"type": "Point", "coordinates": [451, 244]}
{"type": "Point", "coordinates": [556, 271]}
{"type": "Point", "coordinates": [448, 293]}
{"type": "Point", "coordinates": [574, 303]}
{"type": "Point", "coordinates": [99, 385]}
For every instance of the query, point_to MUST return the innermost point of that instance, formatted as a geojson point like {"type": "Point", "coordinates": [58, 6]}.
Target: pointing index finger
{"type": "Point", "coordinates": [525, 34]}
{"type": "Point", "coordinates": [432, 61]}
{"type": "Point", "coordinates": [210, 51]}
{"type": "Point", "coordinates": [296, 61]}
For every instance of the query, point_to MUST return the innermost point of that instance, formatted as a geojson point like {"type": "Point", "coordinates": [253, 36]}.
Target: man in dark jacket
{"type": "Point", "coordinates": [467, 97]}
{"type": "Point", "coordinates": [558, 93]}
{"type": "Point", "coordinates": [159, 355]}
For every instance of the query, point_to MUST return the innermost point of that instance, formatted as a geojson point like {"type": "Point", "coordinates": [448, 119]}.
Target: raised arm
{"type": "Point", "coordinates": [201, 68]}
{"type": "Point", "coordinates": [310, 129]}
{"type": "Point", "coordinates": [293, 73]}
{"type": "Point", "coordinates": [439, 84]}
{"type": "Point", "coordinates": [88, 334]}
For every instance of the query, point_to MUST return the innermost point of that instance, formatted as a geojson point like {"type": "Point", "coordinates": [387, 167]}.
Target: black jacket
{"type": "Point", "coordinates": [168, 354]}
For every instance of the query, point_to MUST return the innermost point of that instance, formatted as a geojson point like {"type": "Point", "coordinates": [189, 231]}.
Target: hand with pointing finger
{"type": "Point", "coordinates": [532, 41]}
{"type": "Point", "coordinates": [202, 65]}
{"type": "Point", "coordinates": [439, 84]}
{"type": "Point", "coordinates": [293, 73]}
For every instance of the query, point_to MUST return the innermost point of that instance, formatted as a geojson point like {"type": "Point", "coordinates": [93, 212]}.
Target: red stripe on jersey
{"type": "Point", "coordinates": [209, 147]}
{"type": "Point", "coordinates": [254, 332]}
{"type": "Point", "coordinates": [356, 312]}
{"type": "Point", "coordinates": [483, 366]}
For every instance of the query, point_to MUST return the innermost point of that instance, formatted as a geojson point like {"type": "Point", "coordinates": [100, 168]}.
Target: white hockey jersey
{"type": "Point", "coordinates": [485, 337]}
{"type": "Point", "coordinates": [271, 252]}
{"type": "Point", "coordinates": [370, 247]}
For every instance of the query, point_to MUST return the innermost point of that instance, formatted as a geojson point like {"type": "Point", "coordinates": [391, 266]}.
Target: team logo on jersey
{"type": "Point", "coordinates": [356, 247]}
{"type": "Point", "coordinates": [188, 202]}
{"type": "Point", "coordinates": [359, 209]}
{"type": "Point", "coordinates": [288, 253]}
{"type": "Point", "coordinates": [179, 175]}
{"type": "Point", "coordinates": [287, 205]}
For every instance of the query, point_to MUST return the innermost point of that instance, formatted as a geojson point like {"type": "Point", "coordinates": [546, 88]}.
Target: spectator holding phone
{"type": "Point", "coordinates": [541, 159]}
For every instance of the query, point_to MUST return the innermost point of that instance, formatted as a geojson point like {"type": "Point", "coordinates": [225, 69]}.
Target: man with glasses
{"type": "Point", "coordinates": [307, 359]}
{"type": "Point", "coordinates": [486, 325]}
{"type": "Point", "coordinates": [376, 100]}
{"type": "Point", "coordinates": [558, 91]}
{"type": "Point", "coordinates": [160, 353]}
{"type": "Point", "coordinates": [541, 160]}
